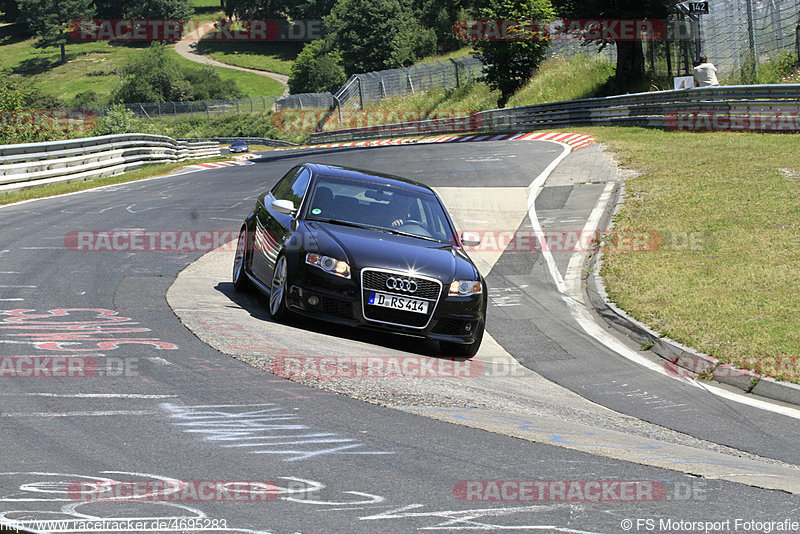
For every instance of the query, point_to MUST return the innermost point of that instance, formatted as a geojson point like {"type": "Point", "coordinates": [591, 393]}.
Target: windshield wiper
{"type": "Point", "coordinates": [408, 234]}
{"type": "Point", "coordinates": [342, 223]}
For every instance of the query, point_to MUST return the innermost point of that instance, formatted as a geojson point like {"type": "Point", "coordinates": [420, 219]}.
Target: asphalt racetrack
{"type": "Point", "coordinates": [168, 378]}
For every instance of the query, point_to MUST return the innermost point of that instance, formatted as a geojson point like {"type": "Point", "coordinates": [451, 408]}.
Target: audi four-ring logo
{"type": "Point", "coordinates": [399, 284]}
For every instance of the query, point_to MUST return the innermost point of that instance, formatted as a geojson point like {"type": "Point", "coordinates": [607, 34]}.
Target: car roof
{"type": "Point", "coordinates": [239, 143]}
{"type": "Point", "coordinates": [338, 171]}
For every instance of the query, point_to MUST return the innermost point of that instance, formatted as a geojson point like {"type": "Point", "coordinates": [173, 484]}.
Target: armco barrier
{"type": "Point", "coordinates": [35, 164]}
{"type": "Point", "coordinates": [755, 107]}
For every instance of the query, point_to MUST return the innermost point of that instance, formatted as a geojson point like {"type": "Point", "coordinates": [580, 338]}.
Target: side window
{"type": "Point", "coordinates": [292, 186]}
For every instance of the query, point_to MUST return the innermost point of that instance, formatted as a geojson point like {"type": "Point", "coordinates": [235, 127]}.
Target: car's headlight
{"type": "Point", "coordinates": [328, 264]}
{"type": "Point", "coordinates": [465, 288]}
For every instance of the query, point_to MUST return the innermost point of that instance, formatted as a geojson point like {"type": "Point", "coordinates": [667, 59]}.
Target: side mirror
{"type": "Point", "coordinates": [470, 239]}
{"type": "Point", "coordinates": [283, 206]}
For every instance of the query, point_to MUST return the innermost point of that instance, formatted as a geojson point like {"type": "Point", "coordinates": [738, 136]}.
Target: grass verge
{"type": "Point", "coordinates": [558, 79]}
{"type": "Point", "coordinates": [724, 279]}
{"type": "Point", "coordinates": [268, 56]}
{"type": "Point", "coordinates": [149, 171]}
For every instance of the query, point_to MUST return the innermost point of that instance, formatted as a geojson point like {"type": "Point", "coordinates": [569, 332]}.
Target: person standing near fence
{"type": "Point", "coordinates": [705, 73]}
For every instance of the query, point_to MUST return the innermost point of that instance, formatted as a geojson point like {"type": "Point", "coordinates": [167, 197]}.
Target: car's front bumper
{"type": "Point", "coordinates": [339, 300]}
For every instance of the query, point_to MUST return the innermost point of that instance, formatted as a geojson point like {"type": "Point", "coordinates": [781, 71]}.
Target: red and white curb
{"type": "Point", "coordinates": [576, 141]}
{"type": "Point", "coordinates": [219, 164]}
{"type": "Point", "coordinates": [242, 157]}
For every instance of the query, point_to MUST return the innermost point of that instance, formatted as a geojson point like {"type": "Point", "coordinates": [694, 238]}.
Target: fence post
{"type": "Point", "coordinates": [751, 34]}
{"type": "Point", "coordinates": [159, 109]}
{"type": "Point", "coordinates": [360, 93]}
{"type": "Point", "coordinates": [411, 84]}
{"type": "Point", "coordinates": [455, 65]}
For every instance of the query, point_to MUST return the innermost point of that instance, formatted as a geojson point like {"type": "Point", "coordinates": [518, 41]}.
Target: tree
{"type": "Point", "coordinates": [317, 69]}
{"type": "Point", "coordinates": [311, 9]}
{"type": "Point", "coordinates": [509, 64]}
{"type": "Point", "coordinates": [50, 20]}
{"type": "Point", "coordinates": [158, 9]}
{"type": "Point", "coordinates": [109, 9]}
{"type": "Point", "coordinates": [258, 9]}
{"type": "Point", "coordinates": [630, 55]}
{"type": "Point", "coordinates": [10, 10]}
{"type": "Point", "coordinates": [377, 34]}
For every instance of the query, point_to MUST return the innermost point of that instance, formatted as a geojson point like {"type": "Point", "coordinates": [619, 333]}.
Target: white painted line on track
{"type": "Point", "coordinates": [571, 293]}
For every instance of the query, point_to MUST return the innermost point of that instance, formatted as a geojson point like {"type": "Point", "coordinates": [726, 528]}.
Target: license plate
{"type": "Point", "coordinates": [398, 303]}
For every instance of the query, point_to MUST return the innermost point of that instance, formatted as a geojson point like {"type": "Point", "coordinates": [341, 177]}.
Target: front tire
{"type": "Point", "coordinates": [241, 282]}
{"type": "Point", "coordinates": [461, 350]}
{"type": "Point", "coordinates": [278, 288]}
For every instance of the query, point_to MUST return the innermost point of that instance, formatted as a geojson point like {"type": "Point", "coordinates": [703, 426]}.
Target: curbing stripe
{"type": "Point", "coordinates": [574, 140]}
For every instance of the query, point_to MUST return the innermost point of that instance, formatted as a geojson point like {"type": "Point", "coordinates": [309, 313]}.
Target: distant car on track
{"type": "Point", "coordinates": [361, 248]}
{"type": "Point", "coordinates": [239, 146]}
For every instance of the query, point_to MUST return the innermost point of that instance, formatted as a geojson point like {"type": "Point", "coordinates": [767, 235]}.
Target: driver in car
{"type": "Point", "coordinates": [400, 208]}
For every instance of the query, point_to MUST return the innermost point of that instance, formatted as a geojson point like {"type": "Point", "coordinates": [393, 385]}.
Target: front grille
{"type": "Point", "coordinates": [426, 289]}
{"type": "Point", "coordinates": [336, 307]}
{"type": "Point", "coordinates": [375, 280]}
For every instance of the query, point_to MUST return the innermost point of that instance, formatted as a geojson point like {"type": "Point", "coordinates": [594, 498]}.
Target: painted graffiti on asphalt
{"type": "Point", "coordinates": [74, 330]}
{"type": "Point", "coordinates": [262, 429]}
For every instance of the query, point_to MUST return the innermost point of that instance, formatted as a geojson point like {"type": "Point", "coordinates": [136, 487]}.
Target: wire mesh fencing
{"type": "Point", "coordinates": [738, 34]}
{"type": "Point", "coordinates": [154, 110]}
{"type": "Point", "coordinates": [368, 88]}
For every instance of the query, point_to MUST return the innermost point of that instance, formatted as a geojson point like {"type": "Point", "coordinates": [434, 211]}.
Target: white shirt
{"type": "Point", "coordinates": [705, 74]}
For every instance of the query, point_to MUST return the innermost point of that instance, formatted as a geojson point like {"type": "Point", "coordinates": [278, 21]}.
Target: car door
{"type": "Point", "coordinates": [273, 229]}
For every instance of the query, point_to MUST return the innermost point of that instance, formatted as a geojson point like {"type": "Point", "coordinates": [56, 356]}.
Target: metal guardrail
{"type": "Point", "coordinates": [34, 164]}
{"type": "Point", "coordinates": [248, 140]}
{"type": "Point", "coordinates": [756, 107]}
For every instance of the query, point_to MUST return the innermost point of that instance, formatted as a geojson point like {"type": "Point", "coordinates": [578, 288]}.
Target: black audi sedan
{"type": "Point", "coordinates": [366, 249]}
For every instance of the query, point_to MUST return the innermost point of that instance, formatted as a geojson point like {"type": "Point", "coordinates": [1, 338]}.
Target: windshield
{"type": "Point", "coordinates": [378, 206]}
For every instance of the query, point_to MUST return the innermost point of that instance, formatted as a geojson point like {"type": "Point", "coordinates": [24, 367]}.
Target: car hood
{"type": "Point", "coordinates": [373, 248]}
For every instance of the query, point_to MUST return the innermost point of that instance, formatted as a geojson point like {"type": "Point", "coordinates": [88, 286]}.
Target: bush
{"type": "Point", "coordinates": [777, 69]}
{"type": "Point", "coordinates": [207, 84]}
{"type": "Point", "coordinates": [156, 76]}
{"type": "Point", "coordinates": [151, 76]}
{"type": "Point", "coordinates": [117, 120]}
{"type": "Point", "coordinates": [317, 69]}
{"type": "Point", "coordinates": [86, 99]}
